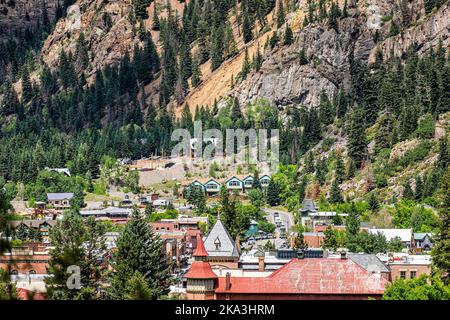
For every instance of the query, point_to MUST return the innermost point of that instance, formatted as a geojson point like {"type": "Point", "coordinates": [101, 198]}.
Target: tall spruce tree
{"type": "Point", "coordinates": [357, 145]}
{"type": "Point", "coordinates": [139, 249]}
{"type": "Point", "coordinates": [280, 14]}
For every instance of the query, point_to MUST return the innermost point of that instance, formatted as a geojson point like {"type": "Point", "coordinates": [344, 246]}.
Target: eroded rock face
{"type": "Point", "coordinates": [283, 80]}
{"type": "Point", "coordinates": [106, 27]}
{"type": "Point", "coordinates": [17, 15]}
{"type": "Point", "coordinates": [426, 35]}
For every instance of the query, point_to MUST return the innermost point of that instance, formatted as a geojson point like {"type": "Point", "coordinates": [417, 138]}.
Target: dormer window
{"type": "Point", "coordinates": [217, 243]}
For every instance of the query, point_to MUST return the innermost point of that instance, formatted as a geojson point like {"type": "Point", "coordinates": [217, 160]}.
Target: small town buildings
{"type": "Point", "coordinates": [221, 248]}
{"type": "Point", "coordinates": [314, 239]}
{"type": "Point", "coordinates": [423, 241]}
{"type": "Point", "coordinates": [406, 266]}
{"type": "Point", "coordinates": [248, 182]}
{"type": "Point", "coordinates": [371, 263]}
{"type": "Point", "coordinates": [234, 184]}
{"type": "Point", "coordinates": [310, 217]}
{"type": "Point", "coordinates": [59, 201]}
{"type": "Point", "coordinates": [405, 235]}
{"type": "Point", "coordinates": [126, 202]}
{"type": "Point", "coordinates": [212, 187]}
{"type": "Point", "coordinates": [201, 280]}
{"type": "Point", "coordinates": [26, 264]}
{"type": "Point", "coordinates": [43, 226]}
{"type": "Point", "coordinates": [161, 203]}
{"type": "Point", "coordinates": [112, 213]}
{"type": "Point", "coordinates": [264, 181]}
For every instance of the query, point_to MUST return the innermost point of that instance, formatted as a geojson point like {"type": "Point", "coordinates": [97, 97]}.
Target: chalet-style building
{"type": "Point", "coordinates": [234, 184]}
{"type": "Point", "coordinates": [59, 201]}
{"type": "Point", "coordinates": [222, 249]}
{"type": "Point", "coordinates": [43, 226]}
{"type": "Point", "coordinates": [423, 241]}
{"type": "Point", "coordinates": [248, 182]}
{"type": "Point", "coordinates": [264, 181]}
{"type": "Point", "coordinates": [212, 187]}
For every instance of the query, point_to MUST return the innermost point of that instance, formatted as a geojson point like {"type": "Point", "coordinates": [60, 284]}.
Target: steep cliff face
{"type": "Point", "coordinates": [17, 15]}
{"type": "Point", "coordinates": [107, 29]}
{"type": "Point", "coordinates": [283, 80]}
{"type": "Point", "coordinates": [425, 33]}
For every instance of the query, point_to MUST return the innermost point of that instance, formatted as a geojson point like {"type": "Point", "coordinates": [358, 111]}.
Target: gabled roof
{"type": "Point", "coordinates": [212, 180]}
{"type": "Point", "coordinates": [233, 177]}
{"type": "Point", "coordinates": [311, 276]}
{"type": "Point", "coordinates": [226, 247]}
{"type": "Point", "coordinates": [200, 251]}
{"type": "Point", "coordinates": [200, 270]}
{"type": "Point", "coordinates": [308, 205]}
{"type": "Point", "coordinates": [422, 235]}
{"type": "Point", "coordinates": [59, 196]}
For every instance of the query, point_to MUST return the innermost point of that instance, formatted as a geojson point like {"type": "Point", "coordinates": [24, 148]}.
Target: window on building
{"type": "Point", "coordinates": [403, 274]}
{"type": "Point", "coordinates": [413, 274]}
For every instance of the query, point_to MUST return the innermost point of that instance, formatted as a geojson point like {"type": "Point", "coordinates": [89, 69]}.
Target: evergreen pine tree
{"type": "Point", "coordinates": [444, 154]}
{"type": "Point", "coordinates": [139, 249]}
{"type": "Point", "coordinates": [288, 36]}
{"type": "Point", "coordinates": [27, 89]}
{"type": "Point", "coordinates": [196, 73]}
{"type": "Point", "coordinates": [76, 243]}
{"type": "Point", "coordinates": [339, 171]}
{"type": "Point", "coordinates": [408, 194]}
{"type": "Point", "coordinates": [303, 58]}
{"type": "Point", "coordinates": [351, 169]}
{"type": "Point", "coordinates": [335, 192]}
{"type": "Point", "coordinates": [156, 25]}
{"type": "Point", "coordinates": [280, 14]}
{"type": "Point", "coordinates": [273, 193]}
{"type": "Point", "coordinates": [418, 193]}
{"type": "Point", "coordinates": [247, 29]}
{"type": "Point", "coordinates": [373, 202]}
{"type": "Point", "coordinates": [357, 145]}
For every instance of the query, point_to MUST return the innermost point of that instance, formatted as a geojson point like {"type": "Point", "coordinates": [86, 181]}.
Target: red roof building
{"type": "Point", "coordinates": [201, 280]}
{"type": "Point", "coordinates": [200, 251]}
{"type": "Point", "coordinates": [306, 279]}
{"type": "Point", "coordinates": [200, 270]}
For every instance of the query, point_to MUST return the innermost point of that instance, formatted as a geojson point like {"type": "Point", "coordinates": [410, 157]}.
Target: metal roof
{"type": "Point", "coordinates": [59, 196]}
{"type": "Point", "coordinates": [219, 242]}
{"type": "Point", "coordinates": [370, 262]}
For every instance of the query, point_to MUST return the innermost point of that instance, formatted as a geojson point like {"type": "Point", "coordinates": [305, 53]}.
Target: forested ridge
{"type": "Point", "coordinates": [59, 119]}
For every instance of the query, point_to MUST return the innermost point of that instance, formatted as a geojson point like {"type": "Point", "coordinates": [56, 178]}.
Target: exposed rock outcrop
{"type": "Point", "coordinates": [17, 15]}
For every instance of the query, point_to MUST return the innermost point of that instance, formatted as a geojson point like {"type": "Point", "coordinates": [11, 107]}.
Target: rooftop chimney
{"type": "Point", "coordinates": [343, 255]}
{"type": "Point", "coordinates": [261, 264]}
{"type": "Point", "coordinates": [228, 281]}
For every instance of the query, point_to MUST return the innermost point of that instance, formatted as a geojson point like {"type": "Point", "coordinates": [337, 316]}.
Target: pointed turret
{"type": "Point", "coordinates": [200, 252]}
